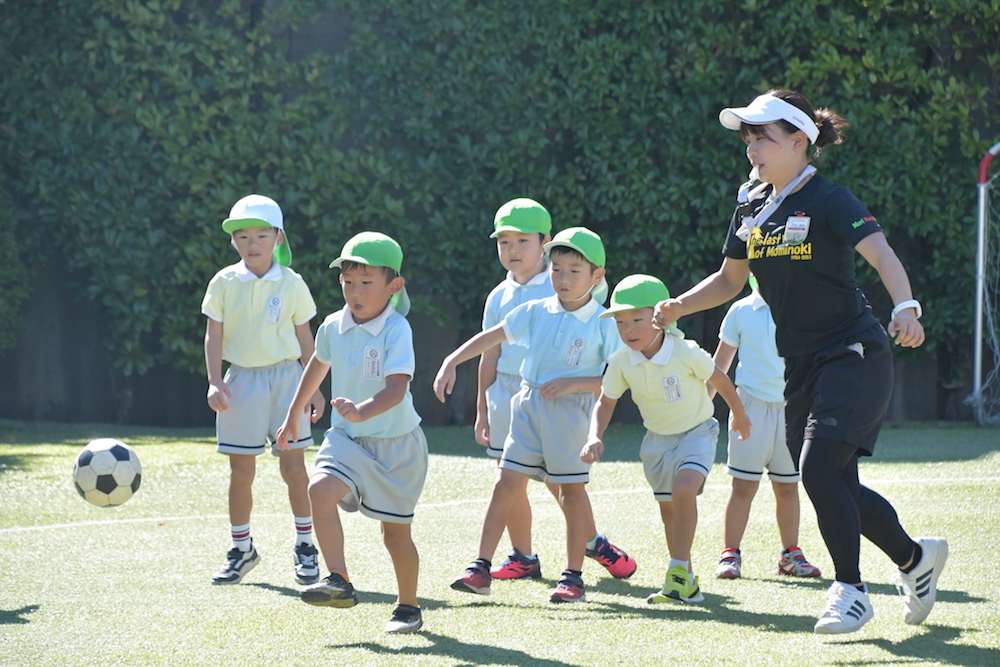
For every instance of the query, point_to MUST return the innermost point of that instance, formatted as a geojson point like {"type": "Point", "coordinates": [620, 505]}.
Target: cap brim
{"type": "Point", "coordinates": [731, 119]}
{"type": "Point", "coordinates": [508, 228]}
{"type": "Point", "coordinates": [230, 225]}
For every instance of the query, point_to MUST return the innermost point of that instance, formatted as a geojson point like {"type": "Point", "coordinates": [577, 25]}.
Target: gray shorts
{"type": "Point", "coordinates": [664, 455]}
{"type": "Point", "coordinates": [259, 403]}
{"type": "Point", "coordinates": [385, 475]}
{"type": "Point", "coordinates": [766, 447]}
{"type": "Point", "coordinates": [546, 436]}
{"type": "Point", "coordinates": [498, 398]}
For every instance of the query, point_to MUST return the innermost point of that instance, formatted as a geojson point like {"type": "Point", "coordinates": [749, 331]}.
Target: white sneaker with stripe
{"type": "Point", "coordinates": [920, 585]}
{"type": "Point", "coordinates": [847, 609]}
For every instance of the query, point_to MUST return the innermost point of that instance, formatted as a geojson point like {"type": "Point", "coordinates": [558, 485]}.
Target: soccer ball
{"type": "Point", "coordinates": [107, 472]}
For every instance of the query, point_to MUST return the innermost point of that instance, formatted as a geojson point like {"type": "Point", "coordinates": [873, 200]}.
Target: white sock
{"type": "Point", "coordinates": [241, 537]}
{"type": "Point", "coordinates": [591, 545]}
{"type": "Point", "coordinates": [674, 563]}
{"type": "Point", "coordinates": [303, 530]}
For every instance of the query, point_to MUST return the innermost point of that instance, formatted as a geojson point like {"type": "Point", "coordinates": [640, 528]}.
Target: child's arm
{"type": "Point", "coordinates": [309, 383]}
{"type": "Point", "coordinates": [487, 376]}
{"type": "Point", "coordinates": [741, 422]}
{"type": "Point", "coordinates": [444, 382]}
{"type": "Point", "coordinates": [553, 389]}
{"type": "Point", "coordinates": [905, 328]}
{"type": "Point", "coordinates": [218, 391]}
{"type": "Point", "coordinates": [723, 358]}
{"type": "Point", "coordinates": [317, 404]}
{"type": "Point", "coordinates": [388, 398]}
{"type": "Point", "coordinates": [592, 451]}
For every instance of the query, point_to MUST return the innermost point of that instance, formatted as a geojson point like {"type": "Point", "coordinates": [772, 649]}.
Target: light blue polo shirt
{"type": "Point", "coordinates": [561, 343]}
{"type": "Point", "coordinates": [748, 326]}
{"type": "Point", "coordinates": [504, 298]}
{"type": "Point", "coordinates": [361, 356]}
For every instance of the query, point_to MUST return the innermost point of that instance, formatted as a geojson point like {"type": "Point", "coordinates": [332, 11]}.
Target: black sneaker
{"type": "Point", "coordinates": [333, 591]}
{"type": "Point", "coordinates": [237, 564]}
{"type": "Point", "coordinates": [306, 567]}
{"type": "Point", "coordinates": [404, 619]}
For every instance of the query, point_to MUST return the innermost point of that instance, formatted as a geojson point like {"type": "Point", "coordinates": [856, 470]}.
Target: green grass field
{"type": "Point", "coordinates": [130, 586]}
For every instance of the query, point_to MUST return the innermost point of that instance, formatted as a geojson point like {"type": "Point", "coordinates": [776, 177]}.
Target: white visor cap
{"type": "Point", "coordinates": [769, 109]}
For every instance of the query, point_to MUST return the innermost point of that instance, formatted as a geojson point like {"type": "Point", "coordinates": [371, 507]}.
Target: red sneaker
{"type": "Point", "coordinates": [518, 566]}
{"type": "Point", "coordinates": [794, 564]}
{"type": "Point", "coordinates": [614, 560]}
{"type": "Point", "coordinates": [569, 589]}
{"type": "Point", "coordinates": [476, 579]}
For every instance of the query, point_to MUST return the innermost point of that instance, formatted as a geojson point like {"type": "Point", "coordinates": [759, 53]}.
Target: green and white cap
{"type": "Point", "coordinates": [524, 216]}
{"type": "Point", "coordinates": [376, 249]}
{"type": "Point", "coordinates": [259, 211]}
{"type": "Point", "coordinates": [639, 291]}
{"type": "Point", "coordinates": [584, 241]}
{"type": "Point", "coordinates": [588, 244]}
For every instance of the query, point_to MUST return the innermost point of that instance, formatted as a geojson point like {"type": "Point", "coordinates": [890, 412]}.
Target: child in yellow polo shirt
{"type": "Point", "coordinates": [258, 314]}
{"type": "Point", "coordinates": [666, 375]}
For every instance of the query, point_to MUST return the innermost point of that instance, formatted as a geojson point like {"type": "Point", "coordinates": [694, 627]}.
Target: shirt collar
{"type": "Point", "coordinates": [246, 275]}
{"type": "Point", "coordinates": [583, 313]}
{"type": "Point", "coordinates": [661, 357]}
{"type": "Point", "coordinates": [537, 279]}
{"type": "Point", "coordinates": [757, 301]}
{"type": "Point", "coordinates": [373, 326]}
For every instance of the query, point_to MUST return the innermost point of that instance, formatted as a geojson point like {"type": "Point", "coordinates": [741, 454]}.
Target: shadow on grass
{"type": "Point", "coordinates": [17, 616]}
{"type": "Point", "coordinates": [467, 652]}
{"type": "Point", "coordinates": [943, 594]}
{"type": "Point", "coordinates": [932, 646]}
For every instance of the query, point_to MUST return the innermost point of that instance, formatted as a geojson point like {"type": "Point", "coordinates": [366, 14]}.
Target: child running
{"type": "Point", "coordinates": [760, 384]}
{"type": "Point", "coordinates": [666, 375]}
{"type": "Point", "coordinates": [567, 348]}
{"type": "Point", "coordinates": [258, 314]}
{"type": "Point", "coordinates": [521, 227]}
{"type": "Point", "coordinates": [374, 457]}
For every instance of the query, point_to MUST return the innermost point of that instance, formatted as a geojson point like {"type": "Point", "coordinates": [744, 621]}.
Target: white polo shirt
{"type": "Point", "coordinates": [749, 327]}
{"type": "Point", "coordinates": [361, 356]}
{"type": "Point", "coordinates": [668, 389]}
{"type": "Point", "coordinates": [561, 343]}
{"type": "Point", "coordinates": [504, 298]}
{"type": "Point", "coordinates": [258, 315]}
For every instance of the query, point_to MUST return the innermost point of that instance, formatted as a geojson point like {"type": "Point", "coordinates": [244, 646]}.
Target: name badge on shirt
{"type": "Point", "coordinates": [575, 354]}
{"type": "Point", "coordinates": [274, 309]}
{"type": "Point", "coordinates": [373, 363]}
{"type": "Point", "coordinates": [672, 388]}
{"type": "Point", "coordinates": [796, 229]}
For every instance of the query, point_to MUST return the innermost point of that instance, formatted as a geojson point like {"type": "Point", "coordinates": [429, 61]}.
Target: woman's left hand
{"type": "Point", "coordinates": [906, 329]}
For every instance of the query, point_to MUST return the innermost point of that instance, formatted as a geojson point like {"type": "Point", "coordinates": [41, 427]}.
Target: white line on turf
{"type": "Point", "coordinates": [453, 503]}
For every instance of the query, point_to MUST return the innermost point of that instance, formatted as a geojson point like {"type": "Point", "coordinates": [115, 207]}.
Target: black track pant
{"type": "Point", "coordinates": [846, 510]}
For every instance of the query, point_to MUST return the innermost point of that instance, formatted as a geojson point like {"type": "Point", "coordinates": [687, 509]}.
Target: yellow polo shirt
{"type": "Point", "coordinates": [258, 315]}
{"type": "Point", "coordinates": [668, 389]}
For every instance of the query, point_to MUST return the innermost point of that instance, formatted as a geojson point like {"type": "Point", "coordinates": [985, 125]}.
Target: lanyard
{"type": "Point", "coordinates": [773, 201]}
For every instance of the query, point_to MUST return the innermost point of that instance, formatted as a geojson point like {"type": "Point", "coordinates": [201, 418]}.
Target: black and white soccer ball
{"type": "Point", "coordinates": [107, 472]}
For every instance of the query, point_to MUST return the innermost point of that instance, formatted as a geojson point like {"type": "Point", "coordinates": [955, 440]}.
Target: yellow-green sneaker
{"type": "Point", "coordinates": [681, 586]}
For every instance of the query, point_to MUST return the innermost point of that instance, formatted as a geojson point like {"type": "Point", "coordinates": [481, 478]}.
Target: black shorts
{"type": "Point", "coordinates": [839, 393]}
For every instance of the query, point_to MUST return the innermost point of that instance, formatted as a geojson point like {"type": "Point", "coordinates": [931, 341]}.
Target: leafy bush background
{"type": "Point", "coordinates": [129, 128]}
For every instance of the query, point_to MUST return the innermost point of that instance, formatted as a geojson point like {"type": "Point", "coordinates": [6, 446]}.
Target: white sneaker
{"type": "Point", "coordinates": [920, 585]}
{"type": "Point", "coordinates": [847, 609]}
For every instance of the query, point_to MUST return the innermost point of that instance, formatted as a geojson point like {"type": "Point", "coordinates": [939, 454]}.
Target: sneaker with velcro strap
{"type": "Point", "coordinates": [518, 566]}
{"type": "Point", "coordinates": [847, 609]}
{"type": "Point", "coordinates": [476, 579]}
{"type": "Point", "coordinates": [306, 565]}
{"type": "Point", "coordinates": [792, 562]}
{"type": "Point", "coordinates": [570, 588]}
{"type": "Point", "coordinates": [238, 563]}
{"type": "Point", "coordinates": [405, 618]}
{"type": "Point", "coordinates": [332, 591]}
{"type": "Point", "coordinates": [730, 564]}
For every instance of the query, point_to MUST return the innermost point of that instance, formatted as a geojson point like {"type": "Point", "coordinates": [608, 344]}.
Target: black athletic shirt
{"type": "Point", "coordinates": [809, 285]}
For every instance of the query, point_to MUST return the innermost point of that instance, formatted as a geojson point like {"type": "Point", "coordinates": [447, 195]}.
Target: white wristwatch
{"type": "Point", "coordinates": [912, 303]}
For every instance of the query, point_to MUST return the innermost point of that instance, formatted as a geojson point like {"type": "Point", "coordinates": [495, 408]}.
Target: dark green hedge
{"type": "Point", "coordinates": [129, 129]}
